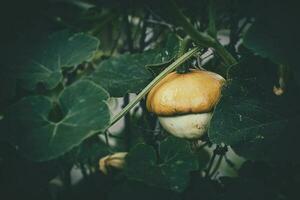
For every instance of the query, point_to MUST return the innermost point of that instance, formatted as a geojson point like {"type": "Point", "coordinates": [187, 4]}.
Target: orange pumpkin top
{"type": "Point", "coordinates": [193, 92]}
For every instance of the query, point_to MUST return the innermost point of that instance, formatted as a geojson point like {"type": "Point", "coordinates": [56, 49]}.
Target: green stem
{"type": "Point", "coordinates": [212, 19]}
{"type": "Point", "coordinates": [211, 162]}
{"type": "Point", "coordinates": [224, 54]}
{"type": "Point", "coordinates": [200, 38]}
{"type": "Point", "coordinates": [169, 69]}
{"type": "Point", "coordinates": [217, 166]}
{"type": "Point", "coordinates": [183, 47]}
{"type": "Point", "coordinates": [127, 128]}
{"type": "Point", "coordinates": [143, 33]}
{"type": "Point", "coordinates": [103, 22]}
{"type": "Point", "coordinates": [83, 170]}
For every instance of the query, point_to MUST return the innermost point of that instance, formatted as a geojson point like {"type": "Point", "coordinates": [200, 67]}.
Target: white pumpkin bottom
{"type": "Point", "coordinates": [189, 126]}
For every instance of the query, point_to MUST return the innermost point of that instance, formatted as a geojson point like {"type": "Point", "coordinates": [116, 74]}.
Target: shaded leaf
{"type": "Point", "coordinates": [7, 89]}
{"type": "Point", "coordinates": [163, 56]}
{"type": "Point", "coordinates": [274, 35]}
{"type": "Point", "coordinates": [252, 119]}
{"type": "Point", "coordinates": [170, 171]}
{"type": "Point", "coordinates": [135, 190]}
{"type": "Point", "coordinates": [45, 61]}
{"type": "Point", "coordinates": [202, 188]}
{"type": "Point", "coordinates": [84, 112]}
{"type": "Point", "coordinates": [242, 116]}
{"type": "Point", "coordinates": [91, 150]}
{"type": "Point", "coordinates": [128, 73]}
{"type": "Point", "coordinates": [123, 74]}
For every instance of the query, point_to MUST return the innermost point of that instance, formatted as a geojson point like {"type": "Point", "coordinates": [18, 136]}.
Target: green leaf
{"type": "Point", "coordinates": [128, 73]}
{"type": "Point", "coordinates": [243, 116]}
{"type": "Point", "coordinates": [45, 62]}
{"type": "Point", "coordinates": [84, 113]}
{"type": "Point", "coordinates": [164, 55]}
{"type": "Point", "coordinates": [123, 74]}
{"type": "Point", "coordinates": [170, 171]}
{"type": "Point", "coordinates": [91, 150]}
{"type": "Point", "coordinates": [257, 123]}
{"type": "Point", "coordinates": [274, 35]}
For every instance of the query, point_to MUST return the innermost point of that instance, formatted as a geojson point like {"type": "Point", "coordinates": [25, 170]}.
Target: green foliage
{"type": "Point", "coordinates": [41, 138]}
{"type": "Point", "coordinates": [275, 36]}
{"type": "Point", "coordinates": [128, 73]}
{"type": "Point", "coordinates": [90, 151]}
{"type": "Point", "coordinates": [171, 170]}
{"type": "Point", "coordinates": [251, 118]}
{"type": "Point", "coordinates": [46, 62]}
{"type": "Point", "coordinates": [123, 74]}
{"type": "Point", "coordinates": [56, 81]}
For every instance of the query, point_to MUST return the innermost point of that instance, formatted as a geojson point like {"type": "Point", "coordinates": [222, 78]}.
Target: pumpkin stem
{"type": "Point", "coordinates": [183, 47]}
{"type": "Point", "coordinates": [183, 69]}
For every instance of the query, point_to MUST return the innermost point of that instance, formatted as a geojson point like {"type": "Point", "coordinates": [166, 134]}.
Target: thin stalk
{"type": "Point", "coordinates": [183, 47]}
{"type": "Point", "coordinates": [217, 166]}
{"type": "Point", "coordinates": [143, 33]}
{"type": "Point", "coordinates": [106, 138]}
{"type": "Point", "coordinates": [212, 30]}
{"type": "Point", "coordinates": [128, 34]}
{"type": "Point", "coordinates": [83, 170]}
{"type": "Point", "coordinates": [66, 178]}
{"type": "Point", "coordinates": [154, 37]}
{"type": "Point", "coordinates": [115, 43]}
{"type": "Point", "coordinates": [143, 93]}
{"type": "Point", "coordinates": [200, 38]}
{"type": "Point", "coordinates": [224, 54]}
{"type": "Point", "coordinates": [127, 124]}
{"type": "Point", "coordinates": [127, 128]}
{"type": "Point", "coordinates": [211, 162]}
{"type": "Point", "coordinates": [103, 22]}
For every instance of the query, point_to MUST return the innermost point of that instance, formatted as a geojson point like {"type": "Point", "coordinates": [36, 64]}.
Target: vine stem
{"type": "Point", "coordinates": [211, 162]}
{"type": "Point", "coordinates": [166, 71]}
{"type": "Point", "coordinates": [200, 38]}
{"type": "Point", "coordinates": [183, 47]}
{"type": "Point", "coordinates": [217, 166]}
{"type": "Point", "coordinates": [212, 30]}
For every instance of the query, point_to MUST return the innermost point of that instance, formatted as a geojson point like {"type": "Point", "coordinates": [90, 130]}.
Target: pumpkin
{"type": "Point", "coordinates": [184, 102]}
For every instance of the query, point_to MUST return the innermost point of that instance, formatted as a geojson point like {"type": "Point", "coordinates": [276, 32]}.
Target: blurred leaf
{"type": "Point", "coordinates": [135, 190]}
{"type": "Point", "coordinates": [127, 73]}
{"type": "Point", "coordinates": [252, 119]}
{"type": "Point", "coordinates": [94, 187]}
{"type": "Point", "coordinates": [275, 34]}
{"type": "Point", "coordinates": [92, 150]}
{"type": "Point", "coordinates": [242, 188]}
{"type": "Point", "coordinates": [45, 61]}
{"type": "Point", "coordinates": [202, 188]}
{"type": "Point", "coordinates": [84, 112]}
{"type": "Point", "coordinates": [29, 178]}
{"type": "Point", "coordinates": [275, 175]}
{"type": "Point", "coordinates": [170, 171]}
{"type": "Point", "coordinates": [7, 89]}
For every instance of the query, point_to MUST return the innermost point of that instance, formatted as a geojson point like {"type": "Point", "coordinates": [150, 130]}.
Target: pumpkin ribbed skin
{"type": "Point", "coordinates": [193, 92]}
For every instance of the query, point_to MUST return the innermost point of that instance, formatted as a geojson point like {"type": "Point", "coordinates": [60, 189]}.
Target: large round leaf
{"type": "Point", "coordinates": [129, 73]}
{"type": "Point", "coordinates": [84, 113]}
{"type": "Point", "coordinates": [258, 124]}
{"type": "Point", "coordinates": [170, 171]}
{"type": "Point", "coordinates": [44, 61]}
